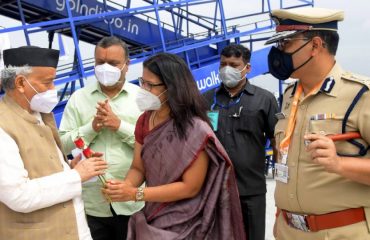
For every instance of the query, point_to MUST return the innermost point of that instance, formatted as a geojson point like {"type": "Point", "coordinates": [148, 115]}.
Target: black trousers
{"type": "Point", "coordinates": [254, 216]}
{"type": "Point", "coordinates": [108, 228]}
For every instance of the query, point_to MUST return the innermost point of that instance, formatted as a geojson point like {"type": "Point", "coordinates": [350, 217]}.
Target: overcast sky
{"type": "Point", "coordinates": [354, 46]}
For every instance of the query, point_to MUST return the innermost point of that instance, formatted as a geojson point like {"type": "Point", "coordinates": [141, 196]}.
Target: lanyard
{"type": "Point", "coordinates": [284, 145]}
{"type": "Point", "coordinates": [224, 106]}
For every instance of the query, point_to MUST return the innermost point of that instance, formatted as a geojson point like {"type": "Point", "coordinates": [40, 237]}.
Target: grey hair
{"type": "Point", "coordinates": [107, 42]}
{"type": "Point", "coordinates": [8, 75]}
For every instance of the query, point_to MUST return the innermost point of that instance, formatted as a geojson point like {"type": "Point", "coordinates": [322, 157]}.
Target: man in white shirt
{"type": "Point", "coordinates": [40, 195]}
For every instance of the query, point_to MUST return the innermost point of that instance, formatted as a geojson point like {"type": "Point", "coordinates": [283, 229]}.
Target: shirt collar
{"type": "Point", "coordinates": [330, 86]}
{"type": "Point", "coordinates": [96, 88]}
{"type": "Point", "coordinates": [248, 88]}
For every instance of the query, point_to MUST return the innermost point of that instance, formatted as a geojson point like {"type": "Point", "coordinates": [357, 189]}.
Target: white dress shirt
{"type": "Point", "coordinates": [24, 195]}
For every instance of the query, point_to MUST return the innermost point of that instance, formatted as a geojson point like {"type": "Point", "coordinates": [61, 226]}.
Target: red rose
{"type": "Point", "coordinates": [79, 142]}
{"type": "Point", "coordinates": [87, 152]}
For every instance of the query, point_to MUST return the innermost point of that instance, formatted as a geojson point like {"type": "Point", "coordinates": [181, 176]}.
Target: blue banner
{"type": "Point", "coordinates": [207, 77]}
{"type": "Point", "coordinates": [128, 27]}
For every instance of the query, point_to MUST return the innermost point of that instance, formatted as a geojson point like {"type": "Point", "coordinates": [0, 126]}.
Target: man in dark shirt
{"type": "Point", "coordinates": [243, 118]}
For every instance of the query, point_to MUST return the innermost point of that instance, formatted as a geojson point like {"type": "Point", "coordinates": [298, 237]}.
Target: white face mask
{"type": "Point", "coordinates": [107, 74]}
{"type": "Point", "coordinates": [146, 100]}
{"type": "Point", "coordinates": [230, 76]}
{"type": "Point", "coordinates": [43, 102]}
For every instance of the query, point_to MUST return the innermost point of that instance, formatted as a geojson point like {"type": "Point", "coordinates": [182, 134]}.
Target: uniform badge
{"type": "Point", "coordinates": [328, 84]}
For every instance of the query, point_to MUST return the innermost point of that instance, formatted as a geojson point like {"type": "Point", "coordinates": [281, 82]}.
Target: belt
{"type": "Point", "coordinates": [314, 223]}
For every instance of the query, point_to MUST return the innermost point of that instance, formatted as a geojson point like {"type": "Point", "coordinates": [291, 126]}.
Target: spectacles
{"type": "Point", "coordinates": [148, 85]}
{"type": "Point", "coordinates": [283, 42]}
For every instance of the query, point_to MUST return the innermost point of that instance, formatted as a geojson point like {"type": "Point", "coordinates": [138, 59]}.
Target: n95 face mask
{"type": "Point", "coordinates": [107, 74]}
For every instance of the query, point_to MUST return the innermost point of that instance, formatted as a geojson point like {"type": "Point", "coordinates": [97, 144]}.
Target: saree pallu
{"type": "Point", "coordinates": [215, 213]}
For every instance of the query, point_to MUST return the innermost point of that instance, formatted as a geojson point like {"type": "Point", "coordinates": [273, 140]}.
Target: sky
{"type": "Point", "coordinates": [353, 52]}
{"type": "Point", "coordinates": [354, 46]}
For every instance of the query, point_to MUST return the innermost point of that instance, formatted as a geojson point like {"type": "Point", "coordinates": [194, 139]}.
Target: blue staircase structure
{"type": "Point", "coordinates": [149, 26]}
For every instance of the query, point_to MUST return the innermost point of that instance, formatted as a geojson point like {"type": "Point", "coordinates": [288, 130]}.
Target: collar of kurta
{"type": "Point", "coordinates": [97, 88]}
{"type": "Point", "coordinates": [23, 113]}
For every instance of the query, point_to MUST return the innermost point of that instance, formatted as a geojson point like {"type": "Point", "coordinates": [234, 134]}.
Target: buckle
{"type": "Point", "coordinates": [297, 221]}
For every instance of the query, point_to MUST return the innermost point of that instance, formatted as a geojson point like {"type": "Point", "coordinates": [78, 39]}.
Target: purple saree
{"type": "Point", "coordinates": [214, 213]}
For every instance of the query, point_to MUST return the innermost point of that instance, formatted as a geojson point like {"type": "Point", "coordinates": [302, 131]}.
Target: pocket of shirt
{"type": "Point", "coordinates": [334, 126]}
{"type": "Point", "coordinates": [279, 132]}
{"type": "Point", "coordinates": [280, 128]}
{"type": "Point", "coordinates": [248, 121]}
{"type": "Point", "coordinates": [325, 127]}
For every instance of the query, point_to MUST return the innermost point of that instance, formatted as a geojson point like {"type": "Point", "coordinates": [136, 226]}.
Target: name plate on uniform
{"type": "Point", "coordinates": [281, 172]}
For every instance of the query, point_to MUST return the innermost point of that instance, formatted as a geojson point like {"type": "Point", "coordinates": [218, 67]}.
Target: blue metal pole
{"type": "Point", "coordinates": [187, 22]}
{"type": "Point", "coordinates": [75, 41]}
{"type": "Point", "coordinates": [109, 22]}
{"type": "Point", "coordinates": [223, 22]}
{"type": "Point", "coordinates": [20, 9]}
{"type": "Point", "coordinates": [187, 58]}
{"type": "Point", "coordinates": [159, 25]}
{"type": "Point", "coordinates": [215, 19]}
{"type": "Point", "coordinates": [175, 25]}
{"type": "Point", "coordinates": [280, 93]}
{"type": "Point", "coordinates": [128, 4]}
{"type": "Point", "coordinates": [269, 9]}
{"type": "Point", "coordinates": [179, 22]}
{"type": "Point", "coordinates": [73, 85]}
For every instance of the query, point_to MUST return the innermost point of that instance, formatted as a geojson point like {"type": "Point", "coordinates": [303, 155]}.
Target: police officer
{"type": "Point", "coordinates": [323, 132]}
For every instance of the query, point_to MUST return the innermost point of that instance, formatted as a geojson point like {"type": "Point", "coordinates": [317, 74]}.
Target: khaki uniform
{"type": "Point", "coordinates": [310, 188]}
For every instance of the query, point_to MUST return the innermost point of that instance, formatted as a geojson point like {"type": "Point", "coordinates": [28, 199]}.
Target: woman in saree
{"type": "Point", "coordinates": [190, 191]}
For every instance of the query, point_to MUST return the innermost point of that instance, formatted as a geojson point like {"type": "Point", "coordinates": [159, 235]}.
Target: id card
{"type": "Point", "coordinates": [281, 172]}
{"type": "Point", "coordinates": [213, 118]}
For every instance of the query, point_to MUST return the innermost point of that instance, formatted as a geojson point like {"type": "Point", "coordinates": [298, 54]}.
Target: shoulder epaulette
{"type": "Point", "coordinates": [357, 78]}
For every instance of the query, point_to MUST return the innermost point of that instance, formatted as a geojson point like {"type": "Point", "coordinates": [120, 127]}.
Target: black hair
{"type": "Point", "coordinates": [330, 39]}
{"type": "Point", "coordinates": [107, 42]}
{"type": "Point", "coordinates": [237, 50]}
{"type": "Point", "coordinates": [184, 98]}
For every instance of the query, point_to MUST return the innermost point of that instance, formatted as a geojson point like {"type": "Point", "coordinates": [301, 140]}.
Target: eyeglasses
{"type": "Point", "coordinates": [283, 42]}
{"type": "Point", "coordinates": [148, 85]}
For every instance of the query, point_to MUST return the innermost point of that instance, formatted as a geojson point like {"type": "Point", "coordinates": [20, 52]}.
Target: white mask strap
{"type": "Point", "coordinates": [30, 85]}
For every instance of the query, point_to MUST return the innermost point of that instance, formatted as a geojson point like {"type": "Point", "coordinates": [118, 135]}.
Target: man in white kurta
{"type": "Point", "coordinates": [40, 195]}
